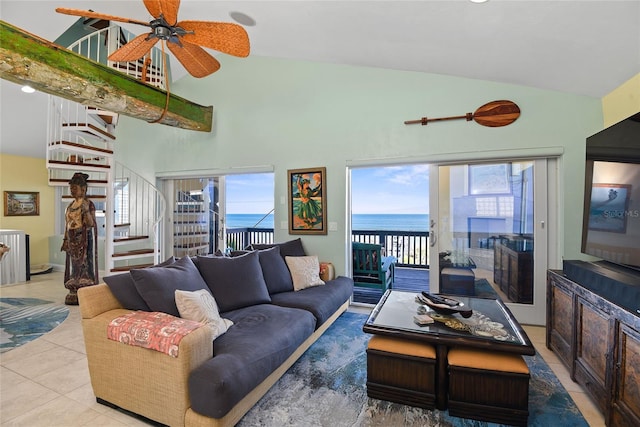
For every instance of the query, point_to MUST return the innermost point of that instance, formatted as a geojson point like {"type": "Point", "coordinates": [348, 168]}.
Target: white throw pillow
{"type": "Point", "coordinates": [201, 306]}
{"type": "Point", "coordinates": [305, 271]}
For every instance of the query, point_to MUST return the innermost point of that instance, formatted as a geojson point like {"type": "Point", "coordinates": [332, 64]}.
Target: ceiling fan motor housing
{"type": "Point", "coordinates": [161, 28]}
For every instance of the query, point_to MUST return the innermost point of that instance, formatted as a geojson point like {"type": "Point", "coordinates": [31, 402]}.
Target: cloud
{"type": "Point", "coordinates": [410, 175]}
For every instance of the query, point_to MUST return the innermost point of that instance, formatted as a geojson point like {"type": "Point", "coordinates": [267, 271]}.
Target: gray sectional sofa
{"type": "Point", "coordinates": [210, 382]}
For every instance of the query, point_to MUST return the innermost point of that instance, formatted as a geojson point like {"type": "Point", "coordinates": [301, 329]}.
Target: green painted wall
{"type": "Point", "coordinates": [291, 114]}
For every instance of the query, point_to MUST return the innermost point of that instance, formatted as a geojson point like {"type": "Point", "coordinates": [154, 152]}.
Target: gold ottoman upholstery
{"type": "Point", "coordinates": [488, 386]}
{"type": "Point", "coordinates": [401, 371]}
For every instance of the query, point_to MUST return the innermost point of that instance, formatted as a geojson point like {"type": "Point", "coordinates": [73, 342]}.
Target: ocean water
{"type": "Point", "coordinates": [396, 222]}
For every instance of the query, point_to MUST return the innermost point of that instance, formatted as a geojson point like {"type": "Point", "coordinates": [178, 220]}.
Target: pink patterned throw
{"type": "Point", "coordinates": [153, 330]}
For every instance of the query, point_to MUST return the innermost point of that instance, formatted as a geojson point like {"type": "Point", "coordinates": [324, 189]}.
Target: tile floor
{"type": "Point", "coordinates": [46, 382]}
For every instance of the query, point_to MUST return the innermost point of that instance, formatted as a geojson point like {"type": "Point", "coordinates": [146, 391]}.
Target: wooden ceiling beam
{"type": "Point", "coordinates": [27, 59]}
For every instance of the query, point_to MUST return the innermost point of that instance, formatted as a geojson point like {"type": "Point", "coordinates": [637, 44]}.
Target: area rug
{"type": "Point", "coordinates": [327, 387]}
{"type": "Point", "coordinates": [484, 289]}
{"type": "Point", "coordinates": [25, 319]}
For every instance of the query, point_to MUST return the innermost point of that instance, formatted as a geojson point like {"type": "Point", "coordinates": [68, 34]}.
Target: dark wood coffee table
{"type": "Point", "coordinates": [393, 316]}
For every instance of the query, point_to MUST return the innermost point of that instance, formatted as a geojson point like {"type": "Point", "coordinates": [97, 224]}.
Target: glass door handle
{"type": "Point", "coordinates": [432, 233]}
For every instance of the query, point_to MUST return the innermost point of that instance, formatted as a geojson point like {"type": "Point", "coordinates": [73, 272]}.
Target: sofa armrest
{"type": "Point", "coordinates": [144, 381]}
{"type": "Point", "coordinates": [95, 300]}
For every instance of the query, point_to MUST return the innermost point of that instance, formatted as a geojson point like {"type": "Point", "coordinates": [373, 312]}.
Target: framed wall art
{"type": "Point", "coordinates": [608, 209]}
{"type": "Point", "coordinates": [307, 201]}
{"type": "Point", "coordinates": [490, 179]}
{"type": "Point", "coordinates": [21, 203]}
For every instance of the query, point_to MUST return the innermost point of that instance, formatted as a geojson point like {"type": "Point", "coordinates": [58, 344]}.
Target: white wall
{"type": "Point", "coordinates": [290, 114]}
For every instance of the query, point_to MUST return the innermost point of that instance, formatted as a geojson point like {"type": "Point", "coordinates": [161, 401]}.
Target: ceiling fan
{"type": "Point", "coordinates": [185, 39]}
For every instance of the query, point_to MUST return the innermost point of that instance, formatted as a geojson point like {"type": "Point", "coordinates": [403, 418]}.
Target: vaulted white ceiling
{"type": "Point", "coordinates": [581, 47]}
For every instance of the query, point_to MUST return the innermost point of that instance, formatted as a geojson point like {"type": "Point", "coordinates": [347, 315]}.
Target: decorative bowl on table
{"type": "Point", "coordinates": [444, 305]}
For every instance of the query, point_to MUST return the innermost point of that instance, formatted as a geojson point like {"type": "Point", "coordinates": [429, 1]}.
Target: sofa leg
{"type": "Point", "coordinates": [105, 403]}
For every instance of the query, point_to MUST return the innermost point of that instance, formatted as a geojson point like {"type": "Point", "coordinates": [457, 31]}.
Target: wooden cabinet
{"type": "Point", "coordinates": [600, 344]}
{"type": "Point", "coordinates": [513, 269]}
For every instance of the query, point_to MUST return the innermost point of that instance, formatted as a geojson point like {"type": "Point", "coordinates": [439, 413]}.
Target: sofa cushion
{"type": "Point", "coordinates": [157, 286]}
{"type": "Point", "coordinates": [322, 301]}
{"type": "Point", "coordinates": [235, 282]}
{"type": "Point", "coordinates": [124, 289]}
{"type": "Point", "coordinates": [305, 271]}
{"type": "Point", "coordinates": [234, 254]}
{"type": "Point", "coordinates": [262, 338]}
{"type": "Point", "coordinates": [275, 271]}
{"type": "Point", "coordinates": [291, 248]}
{"type": "Point", "coordinates": [201, 307]}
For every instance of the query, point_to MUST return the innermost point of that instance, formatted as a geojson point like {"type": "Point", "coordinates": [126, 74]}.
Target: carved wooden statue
{"type": "Point", "coordinates": [80, 240]}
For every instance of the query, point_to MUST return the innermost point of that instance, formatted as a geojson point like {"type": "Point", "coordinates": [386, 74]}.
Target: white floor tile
{"type": "Point", "coordinates": [60, 412]}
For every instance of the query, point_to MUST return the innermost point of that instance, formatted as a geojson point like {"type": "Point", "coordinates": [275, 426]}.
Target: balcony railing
{"type": "Point", "coordinates": [411, 248]}
{"type": "Point", "coordinates": [240, 238]}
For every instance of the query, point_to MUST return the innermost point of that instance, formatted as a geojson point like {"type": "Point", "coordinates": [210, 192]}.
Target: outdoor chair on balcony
{"type": "Point", "coordinates": [370, 268]}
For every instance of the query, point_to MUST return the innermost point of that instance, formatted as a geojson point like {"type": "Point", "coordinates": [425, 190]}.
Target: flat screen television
{"type": "Point", "coordinates": [611, 218]}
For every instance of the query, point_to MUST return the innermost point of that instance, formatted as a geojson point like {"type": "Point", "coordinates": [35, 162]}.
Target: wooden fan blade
{"type": "Point", "coordinates": [133, 50]}
{"type": "Point", "coordinates": [90, 14]}
{"type": "Point", "coordinates": [221, 36]}
{"type": "Point", "coordinates": [166, 8]}
{"type": "Point", "coordinates": [195, 59]}
{"type": "Point", "coordinates": [497, 113]}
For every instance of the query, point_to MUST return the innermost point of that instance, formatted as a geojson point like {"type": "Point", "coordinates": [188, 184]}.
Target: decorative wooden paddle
{"type": "Point", "coordinates": [493, 114]}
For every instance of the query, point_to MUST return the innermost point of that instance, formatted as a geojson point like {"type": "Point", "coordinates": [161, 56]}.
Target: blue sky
{"type": "Point", "coordinates": [381, 190]}
{"type": "Point", "coordinates": [390, 190]}
{"type": "Point", "coordinates": [250, 193]}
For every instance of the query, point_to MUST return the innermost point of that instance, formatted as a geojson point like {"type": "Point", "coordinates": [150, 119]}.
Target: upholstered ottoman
{"type": "Point", "coordinates": [457, 281]}
{"type": "Point", "coordinates": [401, 371]}
{"type": "Point", "coordinates": [488, 386]}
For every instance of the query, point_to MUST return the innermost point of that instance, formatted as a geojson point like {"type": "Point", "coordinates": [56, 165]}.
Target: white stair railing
{"type": "Point", "coordinates": [138, 213]}
{"type": "Point", "coordinates": [102, 43]}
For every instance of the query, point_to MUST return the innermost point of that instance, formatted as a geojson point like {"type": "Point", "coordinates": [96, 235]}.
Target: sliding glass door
{"type": "Point", "coordinates": [213, 213]}
{"type": "Point", "coordinates": [488, 233]}
{"type": "Point", "coordinates": [193, 226]}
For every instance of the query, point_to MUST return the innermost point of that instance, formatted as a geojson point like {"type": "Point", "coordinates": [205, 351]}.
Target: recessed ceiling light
{"type": "Point", "coordinates": [242, 18]}
{"type": "Point", "coordinates": [27, 89]}
{"type": "Point", "coordinates": [478, 1]}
